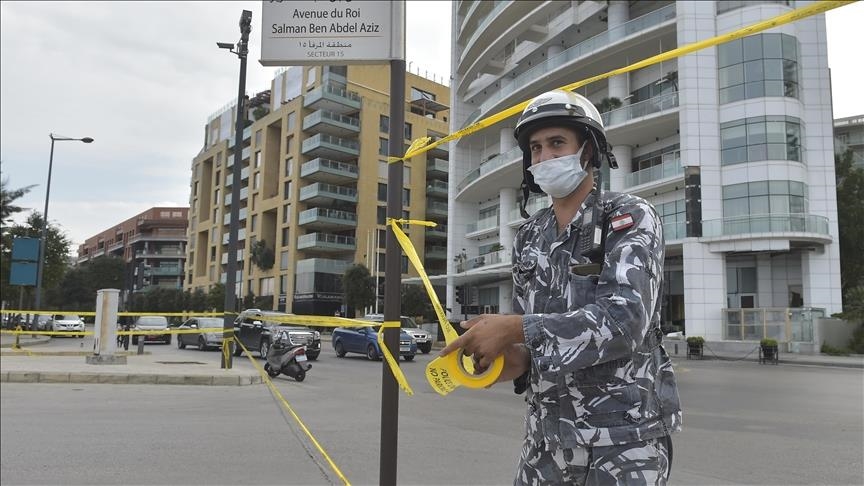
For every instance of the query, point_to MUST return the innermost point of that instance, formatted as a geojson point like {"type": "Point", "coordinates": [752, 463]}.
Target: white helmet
{"type": "Point", "coordinates": [558, 108]}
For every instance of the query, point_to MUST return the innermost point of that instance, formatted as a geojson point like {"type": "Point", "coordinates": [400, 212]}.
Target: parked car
{"type": "Point", "coordinates": [204, 340]}
{"type": "Point", "coordinates": [153, 325]}
{"type": "Point", "coordinates": [257, 329]}
{"type": "Point", "coordinates": [421, 337]}
{"type": "Point", "coordinates": [364, 340]}
{"type": "Point", "coordinates": [68, 323]}
{"type": "Point", "coordinates": [44, 322]}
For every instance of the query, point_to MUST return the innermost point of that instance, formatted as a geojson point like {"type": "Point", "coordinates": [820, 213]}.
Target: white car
{"type": "Point", "coordinates": [68, 323]}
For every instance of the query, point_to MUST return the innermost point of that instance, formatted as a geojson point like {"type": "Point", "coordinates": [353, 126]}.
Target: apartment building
{"type": "Point", "coordinates": [732, 144]}
{"type": "Point", "coordinates": [849, 135]}
{"type": "Point", "coordinates": [153, 245]}
{"type": "Point", "coordinates": [314, 185]}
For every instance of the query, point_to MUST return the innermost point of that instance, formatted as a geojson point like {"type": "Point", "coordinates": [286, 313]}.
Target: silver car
{"type": "Point", "coordinates": [68, 323]}
{"type": "Point", "coordinates": [204, 340]}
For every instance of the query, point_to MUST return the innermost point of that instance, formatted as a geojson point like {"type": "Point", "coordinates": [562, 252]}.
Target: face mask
{"type": "Point", "coordinates": [561, 176]}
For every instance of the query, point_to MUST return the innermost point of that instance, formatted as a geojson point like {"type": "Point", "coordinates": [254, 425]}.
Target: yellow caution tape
{"type": "Point", "coordinates": [266, 378]}
{"type": "Point", "coordinates": [446, 373]}
{"type": "Point", "coordinates": [120, 314]}
{"type": "Point", "coordinates": [394, 364]}
{"type": "Point", "coordinates": [461, 373]}
{"type": "Point", "coordinates": [806, 11]}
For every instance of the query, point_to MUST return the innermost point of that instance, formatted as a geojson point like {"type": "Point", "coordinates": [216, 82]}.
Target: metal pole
{"type": "Point", "coordinates": [40, 268]}
{"type": "Point", "coordinates": [234, 227]}
{"type": "Point", "coordinates": [392, 277]}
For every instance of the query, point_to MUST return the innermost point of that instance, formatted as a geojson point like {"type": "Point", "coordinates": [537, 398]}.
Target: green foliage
{"type": "Point", "coordinates": [608, 104]}
{"type": "Point", "coordinates": [768, 342]}
{"type": "Point", "coordinates": [358, 286]}
{"type": "Point", "coordinates": [856, 344]}
{"type": "Point", "coordinates": [850, 204]}
{"type": "Point", "coordinates": [7, 200]}
{"type": "Point", "coordinates": [262, 256]}
{"type": "Point", "coordinates": [415, 302]}
{"type": "Point", "coordinates": [77, 289]}
{"type": "Point", "coordinates": [249, 301]}
{"type": "Point", "coordinates": [198, 301]}
{"type": "Point", "coordinates": [831, 350]}
{"type": "Point", "coordinates": [696, 340]}
{"type": "Point", "coordinates": [853, 305]}
{"type": "Point", "coordinates": [216, 297]}
{"type": "Point", "coordinates": [259, 112]}
{"type": "Point", "coordinates": [264, 302]}
{"type": "Point", "coordinates": [56, 259]}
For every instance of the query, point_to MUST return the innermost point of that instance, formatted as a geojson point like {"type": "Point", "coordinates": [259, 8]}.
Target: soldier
{"type": "Point", "coordinates": [585, 338]}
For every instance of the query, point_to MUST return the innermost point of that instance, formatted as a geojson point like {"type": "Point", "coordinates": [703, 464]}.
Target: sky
{"type": "Point", "coordinates": [141, 78]}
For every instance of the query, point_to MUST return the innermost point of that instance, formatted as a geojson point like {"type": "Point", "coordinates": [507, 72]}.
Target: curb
{"type": "Point", "coordinates": [31, 341]}
{"type": "Point", "coordinates": [126, 378]}
{"type": "Point", "coordinates": [837, 364]}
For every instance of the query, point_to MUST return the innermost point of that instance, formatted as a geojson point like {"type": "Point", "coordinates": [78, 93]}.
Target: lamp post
{"type": "Point", "coordinates": [43, 239]}
{"type": "Point", "coordinates": [234, 226]}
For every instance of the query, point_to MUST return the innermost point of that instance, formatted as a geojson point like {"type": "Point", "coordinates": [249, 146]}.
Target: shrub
{"type": "Point", "coordinates": [857, 342]}
{"type": "Point", "coordinates": [768, 342]}
{"type": "Point", "coordinates": [831, 350]}
{"type": "Point", "coordinates": [696, 340]}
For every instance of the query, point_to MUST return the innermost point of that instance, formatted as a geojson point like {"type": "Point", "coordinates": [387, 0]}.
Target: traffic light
{"type": "Point", "coordinates": [460, 294]}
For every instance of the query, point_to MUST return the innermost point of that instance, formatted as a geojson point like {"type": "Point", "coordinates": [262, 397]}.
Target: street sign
{"type": "Point", "coordinates": [336, 32]}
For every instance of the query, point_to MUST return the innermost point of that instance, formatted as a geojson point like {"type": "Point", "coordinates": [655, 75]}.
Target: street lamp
{"type": "Point", "coordinates": [234, 226]}
{"type": "Point", "coordinates": [40, 269]}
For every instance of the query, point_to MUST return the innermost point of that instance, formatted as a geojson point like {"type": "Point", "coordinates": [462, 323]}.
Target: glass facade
{"type": "Point", "coordinates": [758, 66]}
{"type": "Point", "coordinates": [764, 197]}
{"type": "Point", "coordinates": [760, 138]}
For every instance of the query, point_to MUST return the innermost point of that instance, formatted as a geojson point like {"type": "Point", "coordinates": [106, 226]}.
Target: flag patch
{"type": "Point", "coordinates": [622, 222]}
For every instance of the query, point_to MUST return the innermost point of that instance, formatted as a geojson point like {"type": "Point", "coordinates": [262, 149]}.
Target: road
{"type": "Point", "coordinates": [744, 424]}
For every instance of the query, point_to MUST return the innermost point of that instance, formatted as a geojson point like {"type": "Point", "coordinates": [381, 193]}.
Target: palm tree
{"type": "Point", "coordinates": [7, 198]}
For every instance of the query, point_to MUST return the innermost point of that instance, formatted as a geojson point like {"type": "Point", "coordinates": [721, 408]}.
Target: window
{"type": "Point", "coordinates": [286, 235]}
{"type": "Point", "coordinates": [289, 166]}
{"type": "Point", "coordinates": [408, 130]}
{"type": "Point", "coordinates": [253, 223]}
{"type": "Point", "coordinates": [384, 124]}
{"type": "Point", "coordinates": [283, 260]}
{"type": "Point", "coordinates": [406, 197]}
{"type": "Point", "coordinates": [283, 284]}
{"type": "Point", "coordinates": [256, 181]}
{"type": "Point", "coordinates": [289, 145]}
{"type": "Point", "coordinates": [258, 137]}
{"type": "Point", "coordinates": [383, 146]}
{"type": "Point", "coordinates": [287, 187]}
{"type": "Point", "coordinates": [419, 94]}
{"type": "Point", "coordinates": [760, 138]}
{"type": "Point", "coordinates": [765, 197]}
{"type": "Point", "coordinates": [266, 286]}
{"type": "Point", "coordinates": [382, 192]}
{"type": "Point", "coordinates": [757, 66]}
{"type": "Point", "coordinates": [285, 212]}
{"type": "Point", "coordinates": [292, 120]}
{"type": "Point", "coordinates": [382, 215]}
{"type": "Point", "coordinates": [674, 217]}
{"type": "Point", "coordinates": [195, 188]}
{"type": "Point", "coordinates": [257, 159]}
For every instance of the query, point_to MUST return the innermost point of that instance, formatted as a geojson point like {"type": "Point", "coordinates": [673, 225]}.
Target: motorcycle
{"type": "Point", "coordinates": [288, 359]}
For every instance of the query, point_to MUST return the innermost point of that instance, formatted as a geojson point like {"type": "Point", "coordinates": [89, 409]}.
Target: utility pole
{"type": "Point", "coordinates": [234, 226]}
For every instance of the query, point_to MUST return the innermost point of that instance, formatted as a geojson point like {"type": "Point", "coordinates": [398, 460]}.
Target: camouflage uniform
{"type": "Point", "coordinates": [602, 397]}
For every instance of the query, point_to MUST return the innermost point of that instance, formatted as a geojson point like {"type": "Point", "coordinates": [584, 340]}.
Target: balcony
{"type": "Point", "coordinates": [247, 134]}
{"type": "Point", "coordinates": [332, 97]}
{"type": "Point", "coordinates": [238, 278]}
{"type": "Point", "coordinates": [483, 227]}
{"type": "Point", "coordinates": [330, 147]}
{"type": "Point", "coordinates": [487, 260]}
{"type": "Point", "coordinates": [325, 242]}
{"type": "Point", "coordinates": [434, 252]}
{"type": "Point", "coordinates": [534, 204]}
{"type": "Point", "coordinates": [322, 265]}
{"type": "Point", "coordinates": [244, 175]}
{"type": "Point", "coordinates": [161, 253]}
{"type": "Point", "coordinates": [509, 157]}
{"type": "Point", "coordinates": [799, 227]}
{"type": "Point", "coordinates": [329, 171]}
{"type": "Point", "coordinates": [618, 116]}
{"type": "Point", "coordinates": [331, 123]}
{"type": "Point", "coordinates": [781, 324]}
{"type": "Point", "coordinates": [439, 231]}
{"type": "Point", "coordinates": [241, 235]}
{"type": "Point", "coordinates": [435, 208]}
{"type": "Point", "coordinates": [320, 193]}
{"type": "Point", "coordinates": [227, 218]}
{"type": "Point", "coordinates": [163, 271]}
{"type": "Point", "coordinates": [567, 58]}
{"type": "Point", "coordinates": [436, 188]}
{"type": "Point", "coordinates": [669, 170]}
{"type": "Point", "coordinates": [244, 195]}
{"type": "Point", "coordinates": [239, 256]}
{"type": "Point", "coordinates": [327, 219]}
{"type": "Point", "coordinates": [437, 168]}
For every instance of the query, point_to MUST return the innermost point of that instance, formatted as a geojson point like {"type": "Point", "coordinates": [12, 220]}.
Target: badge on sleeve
{"type": "Point", "coordinates": [622, 222]}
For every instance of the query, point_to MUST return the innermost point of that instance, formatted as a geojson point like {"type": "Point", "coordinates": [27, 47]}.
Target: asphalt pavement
{"type": "Point", "coordinates": [66, 363]}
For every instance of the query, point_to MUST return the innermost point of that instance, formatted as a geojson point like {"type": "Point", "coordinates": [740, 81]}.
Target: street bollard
{"type": "Point", "coordinates": [676, 349]}
{"type": "Point", "coordinates": [17, 337]}
{"type": "Point", "coordinates": [140, 344]}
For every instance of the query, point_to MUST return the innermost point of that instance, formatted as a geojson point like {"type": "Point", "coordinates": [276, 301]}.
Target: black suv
{"type": "Point", "coordinates": [257, 329]}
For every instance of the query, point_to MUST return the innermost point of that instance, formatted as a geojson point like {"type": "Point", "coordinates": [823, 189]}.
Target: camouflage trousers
{"type": "Point", "coordinates": [637, 463]}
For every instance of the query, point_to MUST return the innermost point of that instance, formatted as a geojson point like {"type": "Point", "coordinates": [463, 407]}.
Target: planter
{"type": "Point", "coordinates": [769, 354]}
{"type": "Point", "coordinates": [694, 350]}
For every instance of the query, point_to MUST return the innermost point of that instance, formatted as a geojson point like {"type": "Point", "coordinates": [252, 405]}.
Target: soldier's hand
{"type": "Point", "coordinates": [487, 337]}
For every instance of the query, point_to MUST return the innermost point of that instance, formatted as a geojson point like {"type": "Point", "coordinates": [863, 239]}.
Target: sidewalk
{"type": "Point", "coordinates": [851, 361]}
{"type": "Point", "coordinates": [36, 364]}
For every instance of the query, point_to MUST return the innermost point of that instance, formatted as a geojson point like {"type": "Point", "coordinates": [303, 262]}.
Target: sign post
{"type": "Point", "coordinates": [337, 33]}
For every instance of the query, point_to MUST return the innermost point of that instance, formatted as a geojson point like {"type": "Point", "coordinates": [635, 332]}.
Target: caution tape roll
{"type": "Point", "coordinates": [446, 373]}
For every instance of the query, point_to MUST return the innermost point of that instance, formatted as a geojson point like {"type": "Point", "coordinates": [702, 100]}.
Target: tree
{"type": "Point", "coordinates": [216, 297]}
{"type": "Point", "coordinates": [262, 256]}
{"type": "Point", "coordinates": [608, 104]}
{"type": "Point", "coordinates": [416, 302]}
{"type": "Point", "coordinates": [7, 199]}
{"type": "Point", "coordinates": [850, 204]}
{"type": "Point", "coordinates": [198, 301]}
{"type": "Point", "coordinates": [249, 301]}
{"type": "Point", "coordinates": [358, 286]}
{"type": "Point", "coordinates": [56, 254]}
